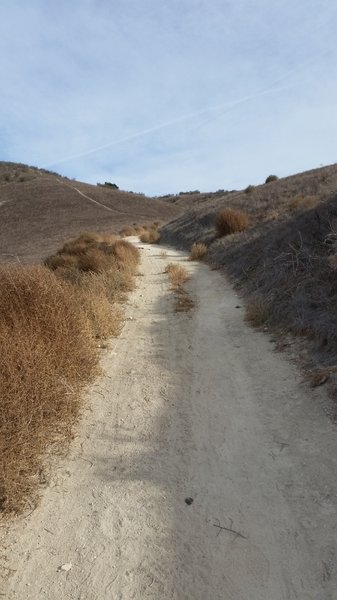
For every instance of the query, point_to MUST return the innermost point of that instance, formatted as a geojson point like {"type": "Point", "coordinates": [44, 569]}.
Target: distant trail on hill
{"type": "Point", "coordinates": [204, 469]}
{"type": "Point", "coordinates": [88, 197]}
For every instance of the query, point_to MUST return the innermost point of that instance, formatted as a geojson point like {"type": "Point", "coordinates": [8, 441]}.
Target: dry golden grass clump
{"type": "Point", "coordinates": [177, 274]}
{"type": "Point", "coordinates": [47, 355]}
{"type": "Point", "coordinates": [257, 312]}
{"type": "Point", "coordinates": [128, 231]}
{"type": "Point", "coordinates": [198, 251]}
{"type": "Point", "coordinates": [229, 220]}
{"type": "Point", "coordinates": [50, 322]}
{"type": "Point", "coordinates": [150, 236]}
{"type": "Point", "coordinates": [93, 253]}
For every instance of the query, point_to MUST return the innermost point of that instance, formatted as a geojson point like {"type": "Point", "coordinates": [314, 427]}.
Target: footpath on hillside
{"type": "Point", "coordinates": [203, 469]}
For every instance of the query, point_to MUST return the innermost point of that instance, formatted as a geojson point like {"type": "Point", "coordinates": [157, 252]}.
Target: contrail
{"type": "Point", "coordinates": [181, 119]}
{"type": "Point", "coordinates": [225, 107]}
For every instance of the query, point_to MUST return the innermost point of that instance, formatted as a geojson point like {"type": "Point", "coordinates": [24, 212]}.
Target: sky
{"type": "Point", "coordinates": [162, 96]}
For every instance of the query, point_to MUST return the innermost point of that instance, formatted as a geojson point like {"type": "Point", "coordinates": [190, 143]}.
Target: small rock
{"type": "Point", "coordinates": [66, 567]}
{"type": "Point", "coordinates": [188, 501]}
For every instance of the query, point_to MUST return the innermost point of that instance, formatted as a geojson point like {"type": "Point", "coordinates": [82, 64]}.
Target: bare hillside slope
{"type": "Point", "coordinates": [285, 262]}
{"type": "Point", "coordinates": [40, 210]}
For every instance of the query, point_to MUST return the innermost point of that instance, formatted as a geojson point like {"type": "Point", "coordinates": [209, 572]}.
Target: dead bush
{"type": "Point", "coordinates": [198, 251]}
{"type": "Point", "coordinates": [177, 274]}
{"type": "Point", "coordinates": [229, 220]}
{"type": "Point", "coordinates": [50, 321]}
{"type": "Point", "coordinates": [150, 236]}
{"type": "Point", "coordinates": [47, 355]}
{"type": "Point", "coordinates": [257, 312]}
{"type": "Point", "coordinates": [128, 231]}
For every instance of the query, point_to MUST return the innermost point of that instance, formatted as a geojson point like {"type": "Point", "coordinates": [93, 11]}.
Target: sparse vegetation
{"type": "Point", "coordinates": [271, 178]}
{"type": "Point", "coordinates": [51, 323]}
{"type": "Point", "coordinates": [150, 236]}
{"type": "Point", "coordinates": [198, 251]}
{"type": "Point", "coordinates": [184, 302]}
{"type": "Point", "coordinates": [229, 220]}
{"type": "Point", "coordinates": [178, 275]}
{"type": "Point", "coordinates": [257, 311]}
{"type": "Point", "coordinates": [285, 264]}
{"type": "Point", "coordinates": [300, 202]}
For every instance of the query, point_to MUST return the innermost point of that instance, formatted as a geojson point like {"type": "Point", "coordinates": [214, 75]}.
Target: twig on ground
{"type": "Point", "coordinates": [221, 527]}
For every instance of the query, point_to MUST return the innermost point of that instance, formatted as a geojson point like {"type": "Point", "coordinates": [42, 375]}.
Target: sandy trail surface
{"type": "Point", "coordinates": [198, 406]}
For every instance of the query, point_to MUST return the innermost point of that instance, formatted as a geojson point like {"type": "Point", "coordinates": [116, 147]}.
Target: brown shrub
{"type": "Point", "coordinates": [127, 231]}
{"type": "Point", "coordinates": [177, 274]}
{"type": "Point", "coordinates": [47, 355]}
{"type": "Point", "coordinates": [99, 303]}
{"type": "Point", "coordinates": [126, 253]}
{"type": "Point", "coordinates": [90, 253]}
{"type": "Point", "coordinates": [229, 220]}
{"type": "Point", "coordinates": [150, 236]}
{"type": "Point", "coordinates": [145, 236]}
{"type": "Point", "coordinates": [61, 261]}
{"type": "Point", "coordinates": [257, 312]}
{"type": "Point", "coordinates": [49, 326]}
{"type": "Point", "coordinates": [198, 251]}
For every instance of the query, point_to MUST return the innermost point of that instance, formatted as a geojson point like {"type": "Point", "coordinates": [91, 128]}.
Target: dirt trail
{"type": "Point", "coordinates": [194, 405]}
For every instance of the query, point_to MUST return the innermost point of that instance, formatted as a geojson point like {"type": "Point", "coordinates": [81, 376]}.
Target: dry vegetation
{"type": "Point", "coordinates": [285, 262]}
{"type": "Point", "coordinates": [150, 236]}
{"type": "Point", "coordinates": [52, 321]}
{"type": "Point", "coordinates": [300, 202]}
{"type": "Point", "coordinates": [178, 275]}
{"type": "Point", "coordinates": [198, 251]}
{"type": "Point", "coordinates": [228, 221]}
{"type": "Point", "coordinates": [39, 209]}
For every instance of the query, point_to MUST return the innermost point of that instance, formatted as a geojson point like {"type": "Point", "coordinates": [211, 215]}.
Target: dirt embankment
{"type": "Point", "coordinates": [193, 406]}
{"type": "Point", "coordinates": [284, 263]}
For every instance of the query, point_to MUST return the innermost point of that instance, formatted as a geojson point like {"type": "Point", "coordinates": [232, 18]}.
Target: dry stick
{"type": "Point", "coordinates": [220, 527]}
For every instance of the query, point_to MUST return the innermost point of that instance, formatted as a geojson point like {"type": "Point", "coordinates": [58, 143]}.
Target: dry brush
{"type": "Point", "coordinates": [52, 319]}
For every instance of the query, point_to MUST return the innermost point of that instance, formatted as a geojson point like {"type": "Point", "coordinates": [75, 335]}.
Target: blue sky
{"type": "Point", "coordinates": [170, 95]}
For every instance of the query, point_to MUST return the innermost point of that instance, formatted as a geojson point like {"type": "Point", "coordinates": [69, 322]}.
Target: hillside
{"type": "Point", "coordinates": [284, 263]}
{"type": "Point", "coordinates": [39, 210]}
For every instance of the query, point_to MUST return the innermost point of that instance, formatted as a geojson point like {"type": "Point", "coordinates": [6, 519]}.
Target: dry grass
{"type": "Point", "coordinates": [150, 236]}
{"type": "Point", "coordinates": [50, 322]}
{"type": "Point", "coordinates": [300, 202]}
{"type": "Point", "coordinates": [229, 220]}
{"type": "Point", "coordinates": [257, 312]}
{"type": "Point", "coordinates": [198, 251]}
{"type": "Point", "coordinates": [177, 274]}
{"type": "Point", "coordinates": [47, 355]}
